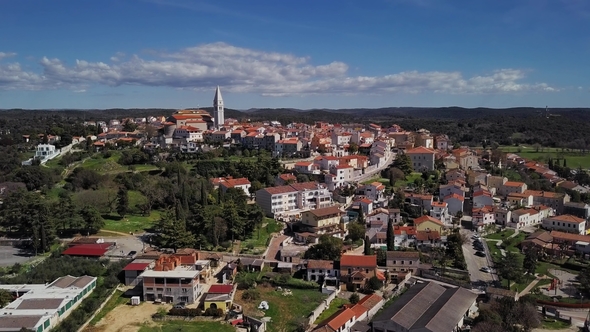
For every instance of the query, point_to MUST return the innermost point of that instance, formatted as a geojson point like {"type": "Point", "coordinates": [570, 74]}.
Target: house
{"type": "Point", "coordinates": [455, 203]}
{"type": "Point", "coordinates": [502, 216]}
{"type": "Point", "coordinates": [554, 200]}
{"type": "Point", "coordinates": [566, 223]}
{"type": "Point", "coordinates": [451, 188]}
{"type": "Point", "coordinates": [422, 158]}
{"type": "Point", "coordinates": [427, 307]}
{"type": "Point", "coordinates": [428, 239]}
{"type": "Point", "coordinates": [323, 220]}
{"type": "Point", "coordinates": [318, 270]}
{"type": "Point", "coordinates": [481, 217]}
{"type": "Point", "coordinates": [385, 215]}
{"type": "Point", "coordinates": [516, 199]}
{"type": "Point", "coordinates": [424, 223]}
{"type": "Point", "coordinates": [240, 183]}
{"type": "Point", "coordinates": [571, 242]}
{"type": "Point", "coordinates": [356, 270]}
{"type": "Point", "coordinates": [440, 211]}
{"type": "Point", "coordinates": [580, 210]}
{"type": "Point", "coordinates": [454, 175]}
{"type": "Point", "coordinates": [220, 297]}
{"type": "Point", "coordinates": [402, 261]}
{"type": "Point", "coordinates": [482, 198]}
{"type": "Point", "coordinates": [496, 181]}
{"type": "Point", "coordinates": [135, 269]}
{"type": "Point", "coordinates": [365, 204]}
{"type": "Point", "coordinates": [511, 187]}
{"type": "Point", "coordinates": [423, 201]}
{"type": "Point", "coordinates": [340, 321]}
{"type": "Point", "coordinates": [171, 282]}
{"type": "Point", "coordinates": [524, 217]}
{"type": "Point", "coordinates": [285, 179]}
{"type": "Point", "coordinates": [367, 307]}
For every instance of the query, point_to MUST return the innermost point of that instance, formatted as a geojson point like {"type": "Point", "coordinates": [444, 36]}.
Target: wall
{"type": "Point", "coordinates": [323, 306]}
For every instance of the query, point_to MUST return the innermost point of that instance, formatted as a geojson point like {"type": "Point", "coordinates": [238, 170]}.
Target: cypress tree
{"type": "Point", "coordinates": [390, 237]}
{"type": "Point", "coordinates": [367, 246]}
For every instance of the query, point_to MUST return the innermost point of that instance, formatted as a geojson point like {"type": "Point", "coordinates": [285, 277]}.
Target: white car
{"type": "Point", "coordinates": [486, 269]}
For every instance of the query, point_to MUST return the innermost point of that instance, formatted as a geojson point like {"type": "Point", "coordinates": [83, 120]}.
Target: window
{"type": "Point", "coordinates": [185, 290]}
{"type": "Point", "coordinates": [168, 289]}
{"type": "Point", "coordinates": [402, 262]}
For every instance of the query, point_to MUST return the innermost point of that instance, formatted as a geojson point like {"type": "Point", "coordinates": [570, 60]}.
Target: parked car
{"type": "Point", "coordinates": [132, 253]}
{"type": "Point", "coordinates": [180, 305]}
{"type": "Point", "coordinates": [486, 269]}
{"type": "Point", "coordinates": [480, 254]}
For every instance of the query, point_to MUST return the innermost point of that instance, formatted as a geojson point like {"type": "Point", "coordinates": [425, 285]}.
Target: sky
{"type": "Point", "coordinates": [298, 54]}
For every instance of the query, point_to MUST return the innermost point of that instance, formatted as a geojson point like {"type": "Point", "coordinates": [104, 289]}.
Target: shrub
{"type": "Point", "coordinates": [187, 312]}
{"type": "Point", "coordinates": [251, 295]}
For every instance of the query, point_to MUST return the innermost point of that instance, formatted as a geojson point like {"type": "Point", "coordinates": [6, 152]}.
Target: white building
{"type": "Point", "coordinates": [45, 152]}
{"type": "Point", "coordinates": [440, 210]}
{"type": "Point", "coordinates": [294, 198]}
{"type": "Point", "coordinates": [42, 307]}
{"type": "Point", "coordinates": [565, 223]}
{"type": "Point", "coordinates": [422, 158]}
{"type": "Point", "coordinates": [320, 269]}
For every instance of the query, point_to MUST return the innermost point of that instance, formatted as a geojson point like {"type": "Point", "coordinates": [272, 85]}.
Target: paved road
{"type": "Point", "coordinates": [369, 175]}
{"type": "Point", "coordinates": [475, 263]}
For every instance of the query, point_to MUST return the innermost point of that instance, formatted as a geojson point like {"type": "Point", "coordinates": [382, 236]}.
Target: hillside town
{"type": "Point", "coordinates": [376, 228]}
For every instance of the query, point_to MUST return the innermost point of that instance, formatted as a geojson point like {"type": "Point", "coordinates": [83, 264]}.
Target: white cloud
{"type": "Point", "coordinates": [6, 55]}
{"type": "Point", "coordinates": [246, 70]}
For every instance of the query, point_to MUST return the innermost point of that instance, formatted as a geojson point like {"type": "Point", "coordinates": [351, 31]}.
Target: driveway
{"type": "Point", "coordinates": [475, 263]}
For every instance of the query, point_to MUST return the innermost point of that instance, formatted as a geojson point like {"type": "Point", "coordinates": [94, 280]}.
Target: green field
{"type": "Point", "coordinates": [175, 326]}
{"type": "Point", "coordinates": [574, 159]}
{"type": "Point", "coordinates": [131, 223]}
{"type": "Point", "coordinates": [551, 324]}
{"type": "Point", "coordinates": [501, 235]}
{"type": "Point", "coordinates": [116, 300]}
{"type": "Point", "coordinates": [260, 239]}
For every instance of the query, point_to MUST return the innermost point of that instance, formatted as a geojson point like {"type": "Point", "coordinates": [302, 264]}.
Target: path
{"type": "Point", "coordinates": [118, 233]}
{"type": "Point", "coordinates": [274, 247]}
{"type": "Point", "coordinates": [532, 285]}
{"type": "Point", "coordinates": [499, 242]}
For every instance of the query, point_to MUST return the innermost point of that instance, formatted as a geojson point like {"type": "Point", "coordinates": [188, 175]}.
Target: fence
{"type": "Point", "coordinates": [323, 306]}
{"type": "Point", "coordinates": [97, 311]}
{"type": "Point", "coordinates": [432, 275]}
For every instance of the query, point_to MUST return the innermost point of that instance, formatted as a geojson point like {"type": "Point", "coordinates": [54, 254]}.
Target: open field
{"type": "Point", "coordinates": [260, 239]}
{"type": "Point", "coordinates": [116, 300]}
{"type": "Point", "coordinates": [127, 318]}
{"type": "Point", "coordinates": [131, 223]}
{"type": "Point", "coordinates": [574, 159]}
{"type": "Point", "coordinates": [174, 326]}
{"type": "Point", "coordinates": [284, 311]}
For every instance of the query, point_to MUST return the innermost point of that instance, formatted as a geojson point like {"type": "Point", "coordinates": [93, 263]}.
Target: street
{"type": "Point", "coordinates": [475, 263]}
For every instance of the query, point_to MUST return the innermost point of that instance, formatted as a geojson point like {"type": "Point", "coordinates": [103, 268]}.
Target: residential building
{"type": "Point", "coordinates": [41, 307]}
{"type": "Point", "coordinates": [496, 181]}
{"type": "Point", "coordinates": [355, 270]}
{"type": "Point", "coordinates": [403, 261]}
{"type": "Point", "coordinates": [566, 223]}
{"type": "Point", "coordinates": [551, 199]}
{"type": "Point", "coordinates": [482, 198]}
{"type": "Point", "coordinates": [451, 188]}
{"type": "Point", "coordinates": [424, 223]}
{"type": "Point", "coordinates": [220, 297]}
{"type": "Point", "coordinates": [428, 239]}
{"type": "Point", "coordinates": [482, 217]}
{"type": "Point", "coordinates": [293, 199]}
{"type": "Point", "coordinates": [502, 216]}
{"type": "Point", "coordinates": [318, 270]}
{"type": "Point", "coordinates": [421, 200]}
{"type": "Point", "coordinates": [440, 211]}
{"type": "Point", "coordinates": [323, 220]}
{"type": "Point", "coordinates": [172, 282]}
{"type": "Point", "coordinates": [580, 210]}
{"type": "Point", "coordinates": [512, 187]}
{"type": "Point", "coordinates": [454, 175]}
{"type": "Point", "coordinates": [340, 321]}
{"type": "Point", "coordinates": [427, 307]}
{"type": "Point", "coordinates": [422, 158]}
{"type": "Point", "coordinates": [239, 183]}
{"type": "Point", "coordinates": [385, 215]}
{"type": "Point", "coordinates": [455, 203]}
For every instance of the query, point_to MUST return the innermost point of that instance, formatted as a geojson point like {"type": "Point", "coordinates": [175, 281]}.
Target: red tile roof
{"type": "Point", "coordinates": [419, 150]}
{"type": "Point", "coordinates": [221, 289]}
{"type": "Point", "coordinates": [422, 219]}
{"type": "Point", "coordinates": [136, 266]}
{"type": "Point", "coordinates": [455, 196]}
{"type": "Point", "coordinates": [93, 250]}
{"type": "Point", "coordinates": [337, 320]}
{"type": "Point", "coordinates": [358, 260]}
{"type": "Point", "coordinates": [567, 218]}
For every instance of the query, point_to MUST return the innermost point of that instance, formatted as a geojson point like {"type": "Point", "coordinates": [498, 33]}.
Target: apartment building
{"type": "Point", "coordinates": [294, 198]}
{"type": "Point", "coordinates": [172, 282]}
{"type": "Point", "coordinates": [566, 223]}
{"type": "Point", "coordinates": [422, 158]}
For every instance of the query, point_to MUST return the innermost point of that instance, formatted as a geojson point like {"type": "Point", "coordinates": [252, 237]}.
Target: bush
{"type": "Point", "coordinates": [186, 312]}
{"type": "Point", "coordinates": [214, 312]}
{"type": "Point", "coordinates": [251, 295]}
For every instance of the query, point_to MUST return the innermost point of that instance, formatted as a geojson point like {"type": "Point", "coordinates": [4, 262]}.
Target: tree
{"type": "Point", "coordinates": [374, 284]}
{"type": "Point", "coordinates": [390, 237]}
{"type": "Point", "coordinates": [172, 233]}
{"type": "Point", "coordinates": [302, 178]}
{"type": "Point", "coordinates": [354, 298]}
{"type": "Point", "coordinates": [584, 281]}
{"type": "Point", "coordinates": [508, 268]}
{"type": "Point", "coordinates": [367, 250]}
{"type": "Point", "coordinates": [129, 126]}
{"type": "Point", "coordinates": [395, 174]}
{"type": "Point", "coordinates": [356, 231]}
{"type": "Point", "coordinates": [353, 148]}
{"type": "Point", "coordinates": [93, 221]}
{"type": "Point", "coordinates": [531, 257]}
{"type": "Point", "coordinates": [5, 298]}
{"type": "Point", "coordinates": [403, 162]}
{"type": "Point", "coordinates": [361, 215]}
{"type": "Point", "coordinates": [122, 202]}
{"type": "Point", "coordinates": [328, 248]}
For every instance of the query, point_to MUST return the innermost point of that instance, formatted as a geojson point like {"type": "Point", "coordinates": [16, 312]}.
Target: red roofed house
{"type": "Point", "coordinates": [284, 179]}
{"type": "Point", "coordinates": [483, 216]}
{"type": "Point", "coordinates": [356, 270]}
{"type": "Point", "coordinates": [425, 223]}
{"type": "Point", "coordinates": [240, 183]}
{"type": "Point", "coordinates": [428, 239]}
{"type": "Point", "coordinates": [455, 203]}
{"type": "Point", "coordinates": [134, 269]}
{"type": "Point", "coordinates": [566, 223]}
{"type": "Point", "coordinates": [510, 187]}
{"type": "Point", "coordinates": [440, 211]}
{"type": "Point", "coordinates": [95, 250]}
{"type": "Point", "coordinates": [422, 158]}
{"type": "Point", "coordinates": [220, 297]}
{"type": "Point", "coordinates": [340, 321]}
{"type": "Point", "coordinates": [365, 204]}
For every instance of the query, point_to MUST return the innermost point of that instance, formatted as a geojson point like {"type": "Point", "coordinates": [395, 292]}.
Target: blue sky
{"type": "Point", "coordinates": [302, 54]}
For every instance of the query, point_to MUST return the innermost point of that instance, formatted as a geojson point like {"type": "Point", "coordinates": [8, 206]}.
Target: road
{"type": "Point", "coordinates": [369, 175]}
{"type": "Point", "coordinates": [475, 263]}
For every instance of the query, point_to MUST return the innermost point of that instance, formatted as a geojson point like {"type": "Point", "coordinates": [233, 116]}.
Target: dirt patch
{"type": "Point", "coordinates": [126, 318]}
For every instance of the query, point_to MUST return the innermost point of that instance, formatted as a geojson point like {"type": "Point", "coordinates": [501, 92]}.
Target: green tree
{"type": "Point", "coordinates": [509, 269]}
{"type": "Point", "coordinates": [122, 202]}
{"type": "Point", "coordinates": [367, 250]}
{"type": "Point", "coordinates": [172, 233]}
{"type": "Point", "coordinates": [390, 237]}
{"type": "Point", "coordinates": [531, 258]}
{"type": "Point", "coordinates": [93, 221]}
{"type": "Point", "coordinates": [374, 284]}
{"type": "Point", "coordinates": [356, 231]}
{"type": "Point", "coordinates": [5, 298]}
{"type": "Point", "coordinates": [353, 148]}
{"type": "Point", "coordinates": [328, 248]}
{"type": "Point", "coordinates": [354, 298]}
{"type": "Point", "coordinates": [403, 162]}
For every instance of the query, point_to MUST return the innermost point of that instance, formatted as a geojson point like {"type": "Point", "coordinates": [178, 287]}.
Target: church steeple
{"type": "Point", "coordinates": [218, 116]}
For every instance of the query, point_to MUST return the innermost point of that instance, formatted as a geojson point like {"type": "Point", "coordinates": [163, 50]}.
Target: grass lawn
{"type": "Point", "coordinates": [284, 311]}
{"type": "Point", "coordinates": [196, 326]}
{"type": "Point", "coordinates": [131, 223]}
{"type": "Point", "coordinates": [500, 236]}
{"type": "Point", "coordinates": [104, 165]}
{"type": "Point", "coordinates": [551, 324]}
{"type": "Point", "coordinates": [270, 226]}
{"type": "Point", "coordinates": [116, 300]}
{"type": "Point", "coordinates": [494, 250]}
{"type": "Point", "coordinates": [408, 181]}
{"type": "Point", "coordinates": [574, 159]}
{"type": "Point", "coordinates": [377, 179]}
{"type": "Point", "coordinates": [334, 306]}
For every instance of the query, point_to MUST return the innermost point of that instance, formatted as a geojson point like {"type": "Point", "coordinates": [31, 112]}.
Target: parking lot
{"type": "Point", "coordinates": [125, 245]}
{"type": "Point", "coordinates": [10, 255]}
{"type": "Point", "coordinates": [476, 263]}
